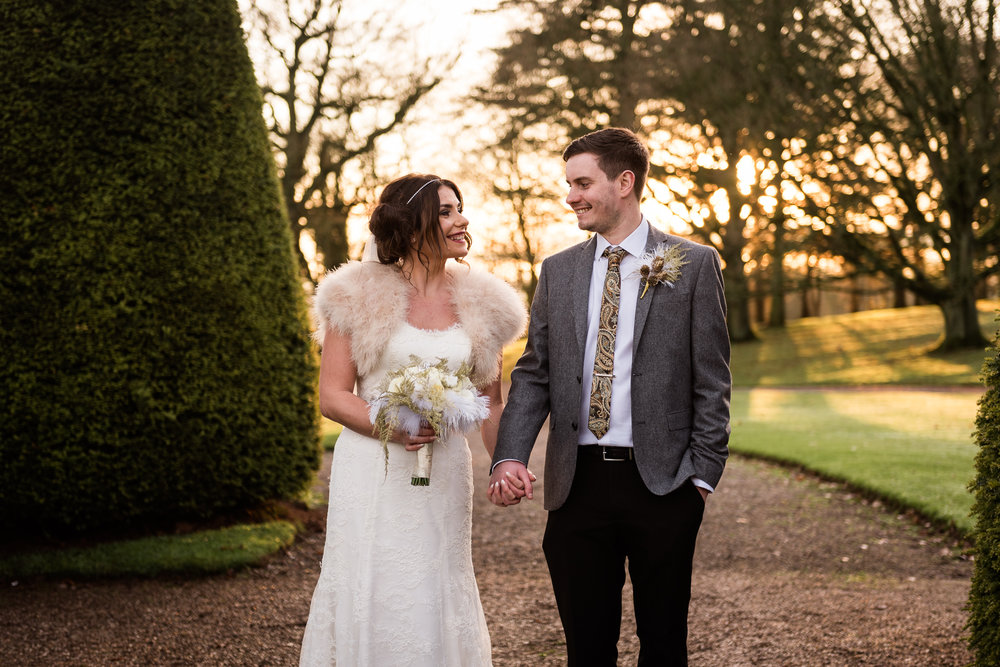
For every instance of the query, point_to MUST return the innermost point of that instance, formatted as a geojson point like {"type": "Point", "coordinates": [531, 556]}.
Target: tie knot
{"type": "Point", "coordinates": [614, 255]}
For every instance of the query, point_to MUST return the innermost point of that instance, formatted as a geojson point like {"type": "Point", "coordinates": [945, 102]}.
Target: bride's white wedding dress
{"type": "Point", "coordinates": [397, 585]}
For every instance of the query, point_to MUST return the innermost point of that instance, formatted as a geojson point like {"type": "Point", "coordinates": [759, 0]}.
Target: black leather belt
{"type": "Point", "coordinates": [608, 453]}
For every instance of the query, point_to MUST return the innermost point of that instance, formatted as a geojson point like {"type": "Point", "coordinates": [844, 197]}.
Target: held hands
{"type": "Point", "coordinates": [510, 481]}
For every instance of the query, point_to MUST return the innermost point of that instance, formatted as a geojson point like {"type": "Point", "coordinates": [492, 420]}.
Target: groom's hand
{"type": "Point", "coordinates": [510, 481]}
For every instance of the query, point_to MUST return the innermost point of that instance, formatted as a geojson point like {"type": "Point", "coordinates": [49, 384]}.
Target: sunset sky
{"type": "Point", "coordinates": [443, 128]}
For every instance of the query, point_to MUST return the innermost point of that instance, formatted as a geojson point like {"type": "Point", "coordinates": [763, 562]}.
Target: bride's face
{"type": "Point", "coordinates": [453, 224]}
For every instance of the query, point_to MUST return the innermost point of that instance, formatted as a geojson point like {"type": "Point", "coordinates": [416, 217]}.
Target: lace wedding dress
{"type": "Point", "coordinates": [397, 585]}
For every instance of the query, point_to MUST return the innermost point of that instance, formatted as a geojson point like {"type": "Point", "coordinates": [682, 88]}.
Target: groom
{"type": "Point", "coordinates": [628, 356]}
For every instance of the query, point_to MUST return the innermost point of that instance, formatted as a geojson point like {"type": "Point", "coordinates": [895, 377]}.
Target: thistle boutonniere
{"type": "Point", "coordinates": [661, 265]}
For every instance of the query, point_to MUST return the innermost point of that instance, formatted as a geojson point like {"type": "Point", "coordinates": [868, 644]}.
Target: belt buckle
{"type": "Point", "coordinates": [604, 456]}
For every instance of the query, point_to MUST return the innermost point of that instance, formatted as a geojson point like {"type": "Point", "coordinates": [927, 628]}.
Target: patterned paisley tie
{"type": "Point", "coordinates": [604, 362]}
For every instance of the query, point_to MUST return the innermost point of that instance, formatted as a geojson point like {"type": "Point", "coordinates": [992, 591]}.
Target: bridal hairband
{"type": "Point", "coordinates": [436, 180]}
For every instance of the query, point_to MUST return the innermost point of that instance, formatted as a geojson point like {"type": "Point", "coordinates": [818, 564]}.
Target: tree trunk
{"type": "Point", "coordinates": [295, 226]}
{"type": "Point", "coordinates": [759, 300]}
{"type": "Point", "coordinates": [528, 256]}
{"type": "Point", "coordinates": [532, 285]}
{"type": "Point", "coordinates": [961, 323]}
{"type": "Point", "coordinates": [898, 294]}
{"type": "Point", "coordinates": [737, 287]}
{"type": "Point", "coordinates": [291, 174]}
{"type": "Point", "coordinates": [777, 318]}
{"type": "Point", "coordinates": [734, 272]}
{"type": "Point", "coordinates": [737, 300]}
{"type": "Point", "coordinates": [624, 69]}
{"type": "Point", "coordinates": [738, 305]}
{"type": "Point", "coordinates": [806, 283]}
{"type": "Point", "coordinates": [329, 227]}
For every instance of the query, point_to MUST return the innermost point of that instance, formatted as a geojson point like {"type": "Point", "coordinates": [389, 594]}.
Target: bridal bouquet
{"type": "Point", "coordinates": [431, 393]}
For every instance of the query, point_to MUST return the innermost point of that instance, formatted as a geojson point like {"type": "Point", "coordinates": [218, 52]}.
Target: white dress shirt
{"type": "Point", "coordinates": [620, 430]}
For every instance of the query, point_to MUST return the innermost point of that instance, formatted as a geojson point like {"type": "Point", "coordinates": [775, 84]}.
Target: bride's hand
{"type": "Point", "coordinates": [414, 442]}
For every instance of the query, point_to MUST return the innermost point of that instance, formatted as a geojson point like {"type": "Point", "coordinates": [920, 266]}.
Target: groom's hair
{"type": "Point", "coordinates": [616, 149]}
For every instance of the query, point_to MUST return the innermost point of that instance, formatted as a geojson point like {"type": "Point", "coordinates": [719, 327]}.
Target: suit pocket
{"type": "Point", "coordinates": [679, 420]}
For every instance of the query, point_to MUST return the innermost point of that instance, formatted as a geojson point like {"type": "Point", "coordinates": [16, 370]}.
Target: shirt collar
{"type": "Point", "coordinates": [634, 243]}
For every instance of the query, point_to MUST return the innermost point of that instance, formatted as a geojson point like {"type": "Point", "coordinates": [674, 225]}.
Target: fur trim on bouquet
{"type": "Point", "coordinates": [367, 301]}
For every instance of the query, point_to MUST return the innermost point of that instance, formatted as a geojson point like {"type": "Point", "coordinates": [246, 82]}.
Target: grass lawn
{"type": "Point", "coordinates": [203, 552]}
{"type": "Point", "coordinates": [891, 346]}
{"type": "Point", "coordinates": [913, 448]}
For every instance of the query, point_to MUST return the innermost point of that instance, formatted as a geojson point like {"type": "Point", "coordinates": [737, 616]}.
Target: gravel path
{"type": "Point", "coordinates": [789, 571]}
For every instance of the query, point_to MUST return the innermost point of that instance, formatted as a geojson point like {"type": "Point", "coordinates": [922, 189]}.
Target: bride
{"type": "Point", "coordinates": [397, 585]}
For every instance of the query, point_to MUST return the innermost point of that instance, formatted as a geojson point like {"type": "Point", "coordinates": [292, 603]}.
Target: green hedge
{"type": "Point", "coordinates": [984, 596]}
{"type": "Point", "coordinates": [154, 355]}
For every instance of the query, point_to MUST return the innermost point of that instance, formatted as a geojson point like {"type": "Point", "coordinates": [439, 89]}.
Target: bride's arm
{"type": "Point", "coordinates": [337, 377]}
{"type": "Point", "coordinates": [337, 400]}
{"type": "Point", "coordinates": [492, 423]}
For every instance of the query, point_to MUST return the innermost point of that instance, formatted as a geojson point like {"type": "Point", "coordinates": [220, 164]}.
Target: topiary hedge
{"type": "Point", "coordinates": [984, 596]}
{"type": "Point", "coordinates": [155, 362]}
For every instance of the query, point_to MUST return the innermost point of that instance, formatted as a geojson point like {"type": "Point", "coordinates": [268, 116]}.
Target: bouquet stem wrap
{"type": "Point", "coordinates": [428, 394]}
{"type": "Point", "coordinates": [422, 470]}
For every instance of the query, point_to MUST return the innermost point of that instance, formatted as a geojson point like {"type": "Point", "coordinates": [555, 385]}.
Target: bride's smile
{"type": "Point", "coordinates": [453, 224]}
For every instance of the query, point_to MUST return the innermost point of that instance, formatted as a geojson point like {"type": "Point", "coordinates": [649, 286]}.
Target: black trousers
{"type": "Point", "coordinates": [611, 516]}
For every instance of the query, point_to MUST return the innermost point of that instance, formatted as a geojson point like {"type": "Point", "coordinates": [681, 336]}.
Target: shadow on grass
{"type": "Point", "coordinates": [891, 346]}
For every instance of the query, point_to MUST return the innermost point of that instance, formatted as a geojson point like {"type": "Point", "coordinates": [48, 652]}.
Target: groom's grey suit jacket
{"type": "Point", "coordinates": [680, 373]}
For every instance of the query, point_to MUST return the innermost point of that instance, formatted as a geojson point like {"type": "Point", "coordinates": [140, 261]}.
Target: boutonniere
{"type": "Point", "coordinates": [661, 265]}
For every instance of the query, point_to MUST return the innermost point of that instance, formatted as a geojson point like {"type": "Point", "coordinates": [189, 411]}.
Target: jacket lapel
{"type": "Point", "coordinates": [581, 288]}
{"type": "Point", "coordinates": [654, 238]}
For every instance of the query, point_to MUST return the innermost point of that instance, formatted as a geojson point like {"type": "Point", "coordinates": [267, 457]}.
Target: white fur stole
{"type": "Point", "coordinates": [367, 301]}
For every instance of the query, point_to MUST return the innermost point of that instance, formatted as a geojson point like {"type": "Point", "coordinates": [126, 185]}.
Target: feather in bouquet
{"type": "Point", "coordinates": [425, 392]}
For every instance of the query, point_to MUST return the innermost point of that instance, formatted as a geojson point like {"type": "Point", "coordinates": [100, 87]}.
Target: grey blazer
{"type": "Point", "coordinates": [680, 373]}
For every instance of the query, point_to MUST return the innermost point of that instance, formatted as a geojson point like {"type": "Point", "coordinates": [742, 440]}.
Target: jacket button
{"type": "Point", "coordinates": [579, 380]}
{"type": "Point", "coordinates": [573, 425]}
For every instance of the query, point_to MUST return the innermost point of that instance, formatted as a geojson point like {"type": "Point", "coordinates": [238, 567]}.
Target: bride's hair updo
{"type": "Point", "coordinates": [406, 218]}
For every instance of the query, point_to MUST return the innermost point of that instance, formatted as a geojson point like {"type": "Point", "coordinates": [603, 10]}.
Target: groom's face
{"type": "Point", "coordinates": [594, 198]}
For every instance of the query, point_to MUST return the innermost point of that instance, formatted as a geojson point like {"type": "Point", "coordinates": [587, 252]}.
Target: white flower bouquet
{"type": "Point", "coordinates": [425, 392]}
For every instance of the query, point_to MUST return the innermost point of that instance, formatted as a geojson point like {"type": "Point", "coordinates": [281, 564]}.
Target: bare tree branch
{"type": "Point", "coordinates": [324, 80]}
